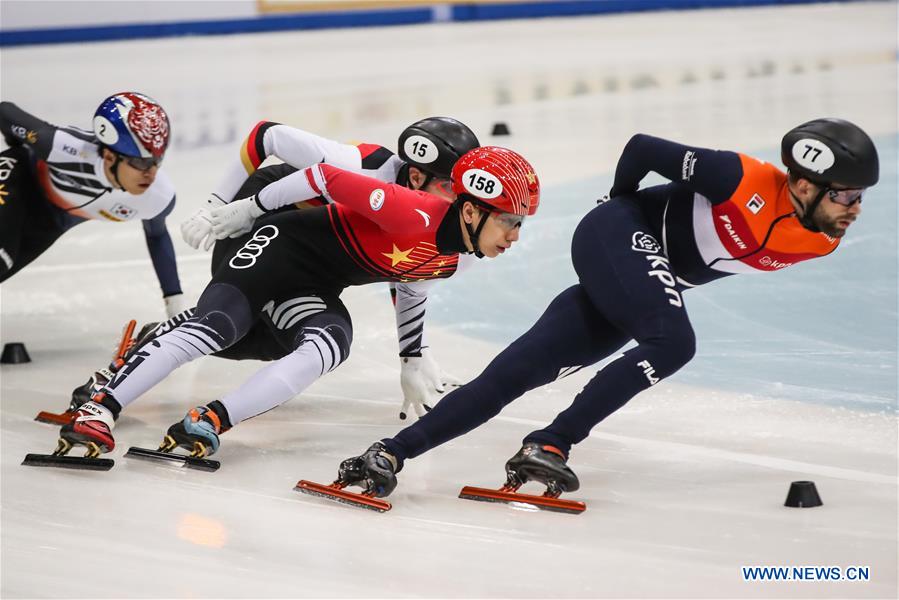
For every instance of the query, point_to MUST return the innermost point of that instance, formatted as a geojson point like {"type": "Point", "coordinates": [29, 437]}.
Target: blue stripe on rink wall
{"type": "Point", "coordinates": [528, 10]}
{"type": "Point", "coordinates": [367, 18]}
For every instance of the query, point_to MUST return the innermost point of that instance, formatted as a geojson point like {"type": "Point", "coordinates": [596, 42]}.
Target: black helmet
{"type": "Point", "coordinates": [435, 144]}
{"type": "Point", "coordinates": [831, 151]}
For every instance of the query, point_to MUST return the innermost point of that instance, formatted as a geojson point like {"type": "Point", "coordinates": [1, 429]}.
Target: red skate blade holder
{"type": "Point", "coordinates": [508, 494]}
{"type": "Point", "coordinates": [337, 493]}
{"type": "Point", "coordinates": [54, 418]}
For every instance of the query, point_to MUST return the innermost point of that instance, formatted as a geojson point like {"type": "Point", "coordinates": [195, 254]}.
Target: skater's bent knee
{"type": "Point", "coordinates": [225, 309]}
{"type": "Point", "coordinates": [332, 341]}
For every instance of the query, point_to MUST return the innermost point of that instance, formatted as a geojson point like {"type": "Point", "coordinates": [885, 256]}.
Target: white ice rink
{"type": "Point", "coordinates": [795, 376]}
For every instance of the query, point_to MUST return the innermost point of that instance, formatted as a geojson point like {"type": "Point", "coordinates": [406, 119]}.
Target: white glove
{"type": "Point", "coordinates": [422, 379]}
{"type": "Point", "coordinates": [199, 226]}
{"type": "Point", "coordinates": [236, 218]}
{"type": "Point", "coordinates": [175, 304]}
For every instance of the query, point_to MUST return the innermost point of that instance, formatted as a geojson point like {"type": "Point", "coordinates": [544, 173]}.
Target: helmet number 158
{"type": "Point", "coordinates": [481, 183]}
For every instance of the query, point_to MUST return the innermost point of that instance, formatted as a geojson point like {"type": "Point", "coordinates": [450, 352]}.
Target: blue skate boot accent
{"type": "Point", "coordinates": [198, 432]}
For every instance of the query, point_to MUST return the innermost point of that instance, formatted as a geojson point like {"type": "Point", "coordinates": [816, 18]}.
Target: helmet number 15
{"type": "Point", "coordinates": [419, 149]}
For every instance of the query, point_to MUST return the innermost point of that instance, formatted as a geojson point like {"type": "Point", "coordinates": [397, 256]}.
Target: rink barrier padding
{"type": "Point", "coordinates": [374, 14]}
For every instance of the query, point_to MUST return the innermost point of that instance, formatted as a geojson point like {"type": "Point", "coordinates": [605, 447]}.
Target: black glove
{"type": "Point", "coordinates": [374, 471]}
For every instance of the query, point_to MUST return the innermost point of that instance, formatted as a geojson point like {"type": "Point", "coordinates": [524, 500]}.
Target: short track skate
{"type": "Point", "coordinates": [509, 494]}
{"type": "Point", "coordinates": [337, 493]}
{"type": "Point", "coordinates": [195, 460]}
{"type": "Point", "coordinates": [118, 359]}
{"type": "Point", "coordinates": [88, 462]}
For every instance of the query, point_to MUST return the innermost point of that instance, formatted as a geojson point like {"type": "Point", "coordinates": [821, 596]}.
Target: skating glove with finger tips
{"type": "Point", "coordinates": [236, 218]}
{"type": "Point", "coordinates": [175, 304]}
{"type": "Point", "coordinates": [197, 229]}
{"type": "Point", "coordinates": [422, 380]}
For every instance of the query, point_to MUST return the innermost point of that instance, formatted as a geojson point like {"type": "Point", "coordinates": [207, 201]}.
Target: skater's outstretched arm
{"type": "Point", "coordinates": [162, 253]}
{"type": "Point", "coordinates": [20, 128]}
{"type": "Point", "coordinates": [421, 378]}
{"type": "Point", "coordinates": [713, 173]}
{"type": "Point", "coordinates": [390, 206]}
{"type": "Point", "coordinates": [300, 149]}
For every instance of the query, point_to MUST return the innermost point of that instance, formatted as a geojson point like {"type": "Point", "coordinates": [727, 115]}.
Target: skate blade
{"type": "Point", "coordinates": [68, 462]}
{"type": "Point", "coordinates": [544, 502]}
{"type": "Point", "coordinates": [335, 493]}
{"type": "Point", "coordinates": [200, 464]}
{"type": "Point", "coordinates": [55, 418]}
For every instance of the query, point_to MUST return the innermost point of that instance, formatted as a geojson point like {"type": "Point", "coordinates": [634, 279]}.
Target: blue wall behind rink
{"type": "Point", "coordinates": [368, 17]}
{"type": "Point", "coordinates": [823, 331]}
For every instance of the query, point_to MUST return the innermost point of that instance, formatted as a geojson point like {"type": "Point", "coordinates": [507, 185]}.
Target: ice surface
{"type": "Point", "coordinates": [795, 376]}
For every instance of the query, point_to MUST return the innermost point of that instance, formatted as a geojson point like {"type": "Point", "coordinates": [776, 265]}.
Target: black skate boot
{"type": "Point", "coordinates": [374, 471]}
{"type": "Point", "coordinates": [543, 463]}
{"type": "Point", "coordinates": [83, 392]}
{"type": "Point", "coordinates": [534, 462]}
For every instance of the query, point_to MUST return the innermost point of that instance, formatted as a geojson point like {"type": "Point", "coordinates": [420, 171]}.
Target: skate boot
{"type": "Point", "coordinates": [534, 462]}
{"type": "Point", "coordinates": [543, 463]}
{"type": "Point", "coordinates": [98, 379]}
{"type": "Point", "coordinates": [91, 427]}
{"type": "Point", "coordinates": [126, 347]}
{"type": "Point", "coordinates": [83, 392]}
{"type": "Point", "coordinates": [198, 432]}
{"type": "Point", "coordinates": [123, 351]}
{"type": "Point", "coordinates": [374, 471]}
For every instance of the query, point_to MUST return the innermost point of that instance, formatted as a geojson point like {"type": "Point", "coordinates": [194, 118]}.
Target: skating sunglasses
{"type": "Point", "coordinates": [445, 185]}
{"type": "Point", "coordinates": [845, 197]}
{"type": "Point", "coordinates": [508, 221]}
{"type": "Point", "coordinates": [143, 164]}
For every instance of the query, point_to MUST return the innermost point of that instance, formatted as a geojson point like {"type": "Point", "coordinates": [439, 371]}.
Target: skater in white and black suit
{"type": "Point", "coordinates": [54, 178]}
